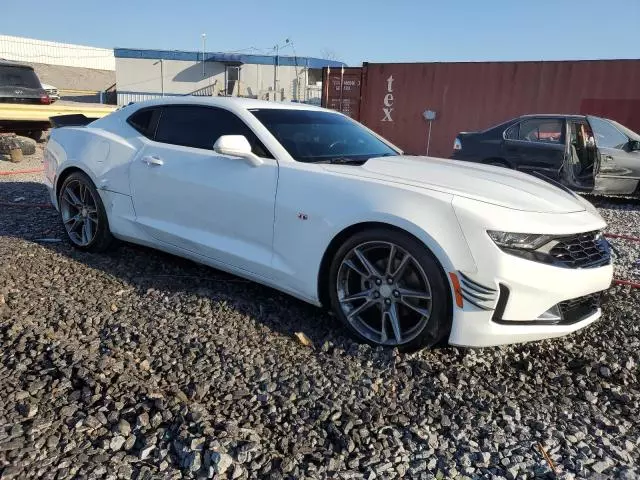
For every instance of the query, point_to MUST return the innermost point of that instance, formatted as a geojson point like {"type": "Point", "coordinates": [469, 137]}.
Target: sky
{"type": "Point", "coordinates": [352, 31]}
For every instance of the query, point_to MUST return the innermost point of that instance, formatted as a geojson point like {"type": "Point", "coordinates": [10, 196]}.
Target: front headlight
{"type": "Point", "coordinates": [521, 241]}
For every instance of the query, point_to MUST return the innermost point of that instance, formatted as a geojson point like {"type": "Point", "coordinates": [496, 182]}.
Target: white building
{"type": "Point", "coordinates": [145, 74]}
{"type": "Point", "coordinates": [31, 50]}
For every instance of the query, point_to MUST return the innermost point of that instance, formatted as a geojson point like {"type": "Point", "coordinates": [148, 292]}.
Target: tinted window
{"type": "Point", "coordinates": [607, 135]}
{"type": "Point", "coordinates": [200, 127]}
{"type": "Point", "coordinates": [18, 77]}
{"type": "Point", "coordinates": [541, 130]}
{"type": "Point", "coordinates": [145, 121]}
{"type": "Point", "coordinates": [311, 136]}
{"type": "Point", "coordinates": [512, 132]}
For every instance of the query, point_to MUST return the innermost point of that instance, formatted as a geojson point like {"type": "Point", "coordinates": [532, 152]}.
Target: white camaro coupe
{"type": "Point", "coordinates": [407, 251]}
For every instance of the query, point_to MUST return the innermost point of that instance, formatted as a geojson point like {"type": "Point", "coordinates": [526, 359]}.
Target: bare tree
{"type": "Point", "coordinates": [329, 54]}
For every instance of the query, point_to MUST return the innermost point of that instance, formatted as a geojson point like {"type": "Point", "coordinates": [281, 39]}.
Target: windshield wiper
{"type": "Point", "coordinates": [342, 161]}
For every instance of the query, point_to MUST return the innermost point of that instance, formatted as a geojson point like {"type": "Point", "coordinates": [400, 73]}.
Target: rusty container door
{"type": "Point", "coordinates": [476, 96]}
{"type": "Point", "coordinates": [341, 90]}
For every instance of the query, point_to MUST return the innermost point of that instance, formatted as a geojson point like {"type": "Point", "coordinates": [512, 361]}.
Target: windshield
{"type": "Point", "coordinates": [18, 77]}
{"type": "Point", "coordinates": [629, 133]}
{"type": "Point", "coordinates": [317, 136]}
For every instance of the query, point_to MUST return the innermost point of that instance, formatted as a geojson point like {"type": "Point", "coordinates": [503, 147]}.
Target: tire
{"type": "Point", "coordinates": [7, 142]}
{"type": "Point", "coordinates": [36, 135]}
{"type": "Point", "coordinates": [422, 274]}
{"type": "Point", "coordinates": [27, 145]}
{"type": "Point", "coordinates": [79, 203]}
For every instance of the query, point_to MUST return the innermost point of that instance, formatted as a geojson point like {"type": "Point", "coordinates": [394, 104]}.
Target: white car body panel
{"type": "Point", "coordinates": [273, 223]}
{"type": "Point", "coordinates": [195, 181]}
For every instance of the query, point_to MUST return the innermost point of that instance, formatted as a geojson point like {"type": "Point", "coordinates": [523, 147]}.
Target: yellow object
{"type": "Point", "coordinates": [16, 155]}
{"type": "Point", "coordinates": [41, 113]}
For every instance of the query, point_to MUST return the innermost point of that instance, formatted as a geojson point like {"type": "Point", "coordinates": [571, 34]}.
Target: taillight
{"type": "Point", "coordinates": [457, 145]}
{"type": "Point", "coordinates": [44, 99]}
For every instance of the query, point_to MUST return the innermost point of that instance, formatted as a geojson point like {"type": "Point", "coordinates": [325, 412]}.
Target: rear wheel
{"type": "Point", "coordinates": [83, 215]}
{"type": "Point", "coordinates": [388, 289]}
{"type": "Point", "coordinates": [37, 135]}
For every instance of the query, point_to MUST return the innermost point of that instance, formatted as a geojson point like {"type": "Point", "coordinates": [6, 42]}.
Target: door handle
{"type": "Point", "coordinates": [152, 160]}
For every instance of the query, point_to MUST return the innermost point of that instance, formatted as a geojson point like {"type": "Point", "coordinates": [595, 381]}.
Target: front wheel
{"type": "Point", "coordinates": [83, 215]}
{"type": "Point", "coordinates": [388, 289]}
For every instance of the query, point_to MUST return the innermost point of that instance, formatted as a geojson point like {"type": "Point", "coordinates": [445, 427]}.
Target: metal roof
{"type": "Point", "coordinates": [283, 60]}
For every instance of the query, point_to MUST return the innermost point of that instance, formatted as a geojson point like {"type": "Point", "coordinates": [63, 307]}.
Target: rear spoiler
{"type": "Point", "coordinates": [72, 120]}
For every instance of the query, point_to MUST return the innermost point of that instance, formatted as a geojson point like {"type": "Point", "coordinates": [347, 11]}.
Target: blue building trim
{"type": "Point", "coordinates": [282, 60]}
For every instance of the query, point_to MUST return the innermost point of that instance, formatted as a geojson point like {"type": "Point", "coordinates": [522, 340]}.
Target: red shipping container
{"type": "Point", "coordinates": [475, 96]}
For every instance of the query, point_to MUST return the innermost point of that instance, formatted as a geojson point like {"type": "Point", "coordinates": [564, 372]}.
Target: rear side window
{"type": "Point", "coordinates": [512, 132]}
{"type": "Point", "coordinates": [18, 77]}
{"type": "Point", "coordinates": [145, 121]}
{"type": "Point", "coordinates": [541, 130]}
{"type": "Point", "coordinates": [200, 127]}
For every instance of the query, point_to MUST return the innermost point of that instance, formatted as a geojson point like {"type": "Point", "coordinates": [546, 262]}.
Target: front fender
{"type": "Point", "coordinates": [312, 209]}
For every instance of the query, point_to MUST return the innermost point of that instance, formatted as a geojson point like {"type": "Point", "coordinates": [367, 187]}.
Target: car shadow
{"type": "Point", "coordinates": [31, 218]}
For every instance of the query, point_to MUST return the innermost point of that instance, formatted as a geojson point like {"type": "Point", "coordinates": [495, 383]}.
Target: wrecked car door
{"type": "Point", "coordinates": [536, 144]}
{"type": "Point", "coordinates": [618, 165]}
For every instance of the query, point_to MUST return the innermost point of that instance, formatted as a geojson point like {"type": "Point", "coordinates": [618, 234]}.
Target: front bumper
{"type": "Point", "coordinates": [520, 309]}
{"type": "Point", "coordinates": [518, 300]}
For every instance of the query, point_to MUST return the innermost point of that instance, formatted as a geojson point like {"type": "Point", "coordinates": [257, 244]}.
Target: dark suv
{"type": "Point", "coordinates": [20, 84]}
{"type": "Point", "coordinates": [585, 153]}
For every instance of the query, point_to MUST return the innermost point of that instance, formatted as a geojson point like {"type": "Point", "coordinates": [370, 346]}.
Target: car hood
{"type": "Point", "coordinates": [486, 183]}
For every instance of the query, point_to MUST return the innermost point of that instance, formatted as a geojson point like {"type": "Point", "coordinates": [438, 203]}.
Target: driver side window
{"type": "Point", "coordinates": [199, 126]}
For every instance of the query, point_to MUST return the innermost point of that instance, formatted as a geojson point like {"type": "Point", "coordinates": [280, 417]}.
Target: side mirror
{"type": "Point", "coordinates": [634, 145]}
{"type": "Point", "coordinates": [236, 146]}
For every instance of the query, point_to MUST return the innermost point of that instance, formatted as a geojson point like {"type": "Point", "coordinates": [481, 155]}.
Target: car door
{"type": "Point", "coordinates": [618, 167]}
{"type": "Point", "coordinates": [188, 196]}
{"type": "Point", "coordinates": [536, 144]}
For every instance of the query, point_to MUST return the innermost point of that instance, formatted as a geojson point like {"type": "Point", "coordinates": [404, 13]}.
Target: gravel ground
{"type": "Point", "coordinates": [137, 364]}
{"type": "Point", "coordinates": [29, 162]}
{"type": "Point", "coordinates": [624, 219]}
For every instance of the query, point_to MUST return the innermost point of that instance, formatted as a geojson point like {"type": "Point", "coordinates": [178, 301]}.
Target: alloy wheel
{"type": "Point", "coordinates": [79, 212]}
{"type": "Point", "coordinates": [384, 293]}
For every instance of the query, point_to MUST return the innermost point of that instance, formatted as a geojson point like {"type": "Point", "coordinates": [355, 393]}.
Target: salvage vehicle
{"type": "Point", "coordinates": [586, 153]}
{"type": "Point", "coordinates": [407, 251]}
{"type": "Point", "coordinates": [52, 91]}
{"type": "Point", "coordinates": [20, 84]}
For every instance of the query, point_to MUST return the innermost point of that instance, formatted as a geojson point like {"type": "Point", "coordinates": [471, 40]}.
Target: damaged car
{"type": "Point", "coordinates": [585, 153]}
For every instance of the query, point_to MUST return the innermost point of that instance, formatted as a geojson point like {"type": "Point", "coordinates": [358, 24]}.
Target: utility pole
{"type": "Point", "coordinates": [276, 64]}
{"type": "Point", "coordinates": [275, 72]}
{"type": "Point", "coordinates": [204, 43]}
{"type": "Point", "coordinates": [161, 75]}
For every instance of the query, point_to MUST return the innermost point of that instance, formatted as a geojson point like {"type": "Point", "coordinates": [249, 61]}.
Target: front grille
{"type": "Point", "coordinates": [579, 308]}
{"type": "Point", "coordinates": [583, 250]}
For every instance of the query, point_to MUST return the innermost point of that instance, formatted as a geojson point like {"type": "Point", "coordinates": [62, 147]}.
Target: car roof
{"type": "Point", "coordinates": [228, 102]}
{"type": "Point", "coordinates": [553, 115]}
{"type": "Point", "coordinates": [7, 63]}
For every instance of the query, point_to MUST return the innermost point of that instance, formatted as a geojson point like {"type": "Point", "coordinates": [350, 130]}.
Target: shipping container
{"type": "Point", "coordinates": [341, 90]}
{"type": "Point", "coordinates": [475, 96]}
